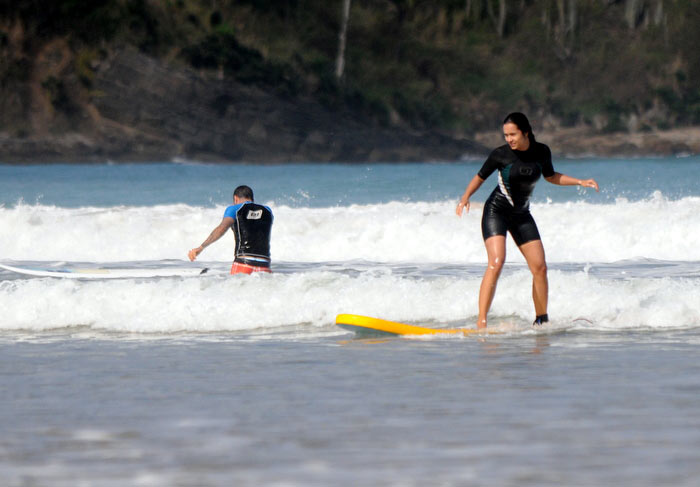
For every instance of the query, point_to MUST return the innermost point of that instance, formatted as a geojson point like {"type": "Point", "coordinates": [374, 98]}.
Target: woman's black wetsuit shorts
{"type": "Point", "coordinates": [499, 217]}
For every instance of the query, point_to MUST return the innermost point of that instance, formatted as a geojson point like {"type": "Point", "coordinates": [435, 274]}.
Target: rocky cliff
{"type": "Point", "coordinates": [270, 81]}
{"type": "Point", "coordinates": [143, 109]}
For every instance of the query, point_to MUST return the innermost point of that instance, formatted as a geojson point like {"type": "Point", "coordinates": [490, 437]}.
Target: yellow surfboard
{"type": "Point", "coordinates": [375, 326]}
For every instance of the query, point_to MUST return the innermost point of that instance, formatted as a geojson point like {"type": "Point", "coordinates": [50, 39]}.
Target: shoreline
{"type": "Point", "coordinates": [572, 143]}
{"type": "Point", "coordinates": [583, 142]}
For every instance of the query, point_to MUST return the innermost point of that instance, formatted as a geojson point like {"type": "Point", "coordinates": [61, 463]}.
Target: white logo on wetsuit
{"type": "Point", "coordinates": [254, 215]}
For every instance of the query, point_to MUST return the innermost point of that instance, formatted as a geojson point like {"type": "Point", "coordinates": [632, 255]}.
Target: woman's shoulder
{"type": "Point", "coordinates": [501, 152]}
{"type": "Point", "coordinates": [542, 148]}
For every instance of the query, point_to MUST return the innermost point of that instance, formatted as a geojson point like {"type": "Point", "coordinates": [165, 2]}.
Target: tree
{"type": "Point", "coordinates": [499, 21]}
{"type": "Point", "coordinates": [566, 28]}
{"type": "Point", "coordinates": [342, 40]}
{"type": "Point", "coordinates": [640, 12]}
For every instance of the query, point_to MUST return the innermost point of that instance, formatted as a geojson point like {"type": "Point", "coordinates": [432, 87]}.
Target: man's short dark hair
{"type": "Point", "coordinates": [244, 192]}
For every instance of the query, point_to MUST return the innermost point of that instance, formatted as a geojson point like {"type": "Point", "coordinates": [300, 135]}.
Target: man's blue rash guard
{"type": "Point", "coordinates": [252, 227]}
{"type": "Point", "coordinates": [507, 209]}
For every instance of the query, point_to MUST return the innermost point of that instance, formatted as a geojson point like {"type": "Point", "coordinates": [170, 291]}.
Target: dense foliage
{"type": "Point", "coordinates": [452, 65]}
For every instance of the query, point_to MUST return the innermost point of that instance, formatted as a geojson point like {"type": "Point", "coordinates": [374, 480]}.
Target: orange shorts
{"type": "Point", "coordinates": [240, 268]}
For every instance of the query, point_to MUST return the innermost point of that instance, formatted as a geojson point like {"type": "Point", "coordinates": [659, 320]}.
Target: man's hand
{"type": "Point", "coordinates": [192, 254]}
{"type": "Point", "coordinates": [215, 235]}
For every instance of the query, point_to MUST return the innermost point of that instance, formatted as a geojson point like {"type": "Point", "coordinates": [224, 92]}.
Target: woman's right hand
{"type": "Point", "coordinates": [462, 205]}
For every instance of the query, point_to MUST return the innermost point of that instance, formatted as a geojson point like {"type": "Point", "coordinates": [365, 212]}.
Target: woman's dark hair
{"type": "Point", "coordinates": [521, 121]}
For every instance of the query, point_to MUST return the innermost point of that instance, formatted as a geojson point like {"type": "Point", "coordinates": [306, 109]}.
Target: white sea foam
{"type": "Point", "coordinates": [655, 228]}
{"type": "Point", "coordinates": [310, 301]}
{"type": "Point", "coordinates": [365, 254]}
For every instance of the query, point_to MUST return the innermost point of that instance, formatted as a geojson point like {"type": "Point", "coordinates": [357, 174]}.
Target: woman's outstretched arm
{"type": "Point", "coordinates": [564, 180]}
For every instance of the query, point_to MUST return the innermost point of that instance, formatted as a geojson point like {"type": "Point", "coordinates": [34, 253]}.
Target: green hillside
{"type": "Point", "coordinates": [453, 66]}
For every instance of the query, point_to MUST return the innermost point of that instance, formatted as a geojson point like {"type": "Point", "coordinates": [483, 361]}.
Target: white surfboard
{"type": "Point", "coordinates": [107, 273]}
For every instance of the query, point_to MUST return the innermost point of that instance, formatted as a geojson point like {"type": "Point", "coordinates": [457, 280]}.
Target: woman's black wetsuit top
{"type": "Point", "coordinates": [507, 209]}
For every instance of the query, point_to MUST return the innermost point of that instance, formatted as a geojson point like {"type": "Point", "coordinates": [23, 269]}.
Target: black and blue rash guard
{"type": "Point", "coordinates": [252, 228]}
{"type": "Point", "coordinates": [507, 209]}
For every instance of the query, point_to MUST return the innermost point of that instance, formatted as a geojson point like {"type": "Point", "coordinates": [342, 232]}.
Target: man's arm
{"type": "Point", "coordinates": [215, 235]}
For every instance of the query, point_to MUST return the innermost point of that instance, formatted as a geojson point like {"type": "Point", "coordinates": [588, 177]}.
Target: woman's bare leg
{"type": "Point", "coordinates": [533, 251]}
{"type": "Point", "coordinates": [496, 250]}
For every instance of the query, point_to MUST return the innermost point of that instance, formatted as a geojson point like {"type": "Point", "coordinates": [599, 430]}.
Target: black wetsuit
{"type": "Point", "coordinates": [252, 227]}
{"type": "Point", "coordinates": [507, 209]}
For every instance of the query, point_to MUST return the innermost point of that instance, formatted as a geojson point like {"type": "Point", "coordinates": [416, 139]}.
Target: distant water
{"type": "Point", "coordinates": [201, 381]}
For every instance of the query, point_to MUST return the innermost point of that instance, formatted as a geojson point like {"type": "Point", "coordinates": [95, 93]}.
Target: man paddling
{"type": "Point", "coordinates": [251, 225]}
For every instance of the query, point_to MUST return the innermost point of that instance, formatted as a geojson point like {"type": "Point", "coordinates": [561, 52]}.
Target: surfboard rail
{"type": "Point", "coordinates": [107, 273]}
{"type": "Point", "coordinates": [368, 325]}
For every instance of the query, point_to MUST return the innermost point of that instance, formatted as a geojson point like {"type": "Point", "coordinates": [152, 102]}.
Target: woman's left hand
{"type": "Point", "coordinates": [589, 183]}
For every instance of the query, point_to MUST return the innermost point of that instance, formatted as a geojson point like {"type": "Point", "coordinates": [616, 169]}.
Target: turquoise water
{"type": "Point", "coordinates": [320, 185]}
{"type": "Point", "coordinates": [220, 380]}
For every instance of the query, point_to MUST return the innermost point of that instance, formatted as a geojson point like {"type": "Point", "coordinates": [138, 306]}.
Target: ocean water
{"type": "Point", "coordinates": [245, 380]}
